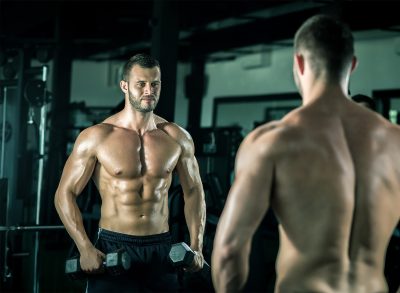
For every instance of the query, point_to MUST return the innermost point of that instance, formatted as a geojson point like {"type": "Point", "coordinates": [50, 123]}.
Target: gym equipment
{"type": "Point", "coordinates": [9, 70]}
{"type": "Point", "coordinates": [182, 256]}
{"type": "Point", "coordinates": [115, 264]}
{"type": "Point", "coordinates": [34, 228]}
{"type": "Point", "coordinates": [7, 130]}
{"type": "Point", "coordinates": [35, 92]}
{"type": "Point", "coordinates": [7, 273]}
{"type": "Point", "coordinates": [44, 54]}
{"type": "Point", "coordinates": [17, 73]}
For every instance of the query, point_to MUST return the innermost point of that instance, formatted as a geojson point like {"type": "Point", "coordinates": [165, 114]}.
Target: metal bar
{"type": "Point", "coordinates": [42, 131]}
{"type": "Point", "coordinates": [8, 195]}
{"type": "Point", "coordinates": [44, 73]}
{"type": "Point", "coordinates": [6, 269]}
{"type": "Point", "coordinates": [34, 228]}
{"type": "Point", "coordinates": [20, 254]}
{"type": "Point", "coordinates": [3, 132]}
{"type": "Point", "coordinates": [42, 137]}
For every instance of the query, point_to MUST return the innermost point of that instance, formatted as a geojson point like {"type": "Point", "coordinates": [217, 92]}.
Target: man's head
{"type": "Point", "coordinates": [328, 47]}
{"type": "Point", "coordinates": [141, 82]}
{"type": "Point", "coordinates": [141, 60]}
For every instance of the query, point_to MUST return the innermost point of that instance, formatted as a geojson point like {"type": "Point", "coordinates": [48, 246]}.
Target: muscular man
{"type": "Point", "coordinates": [330, 170]}
{"type": "Point", "coordinates": [130, 157]}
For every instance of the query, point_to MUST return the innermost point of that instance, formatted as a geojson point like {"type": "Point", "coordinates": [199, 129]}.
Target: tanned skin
{"type": "Point", "coordinates": [131, 157]}
{"type": "Point", "coordinates": [330, 170]}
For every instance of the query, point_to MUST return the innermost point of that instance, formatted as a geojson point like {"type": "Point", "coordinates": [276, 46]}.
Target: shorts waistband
{"type": "Point", "coordinates": [134, 239]}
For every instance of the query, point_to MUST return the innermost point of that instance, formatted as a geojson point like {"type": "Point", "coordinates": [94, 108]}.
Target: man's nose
{"type": "Point", "coordinates": [147, 88]}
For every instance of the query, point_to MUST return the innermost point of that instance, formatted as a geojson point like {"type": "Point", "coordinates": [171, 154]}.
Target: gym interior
{"type": "Point", "coordinates": [226, 68]}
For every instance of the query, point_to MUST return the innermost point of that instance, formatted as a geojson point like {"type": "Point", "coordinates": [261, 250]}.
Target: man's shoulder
{"type": "Point", "coordinates": [173, 130]}
{"type": "Point", "coordinates": [98, 129]}
{"type": "Point", "coordinates": [95, 133]}
{"type": "Point", "coordinates": [271, 132]}
{"type": "Point", "coordinates": [89, 139]}
{"type": "Point", "coordinates": [276, 139]}
{"type": "Point", "coordinates": [393, 135]}
{"type": "Point", "coordinates": [261, 146]}
{"type": "Point", "coordinates": [267, 137]}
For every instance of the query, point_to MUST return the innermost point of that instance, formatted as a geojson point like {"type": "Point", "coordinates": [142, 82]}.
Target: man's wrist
{"type": "Point", "coordinates": [197, 251]}
{"type": "Point", "coordinates": [195, 247]}
{"type": "Point", "coordinates": [85, 246]}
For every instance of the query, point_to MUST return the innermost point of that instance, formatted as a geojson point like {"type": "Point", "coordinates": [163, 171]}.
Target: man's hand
{"type": "Point", "coordinates": [91, 261]}
{"type": "Point", "coordinates": [197, 264]}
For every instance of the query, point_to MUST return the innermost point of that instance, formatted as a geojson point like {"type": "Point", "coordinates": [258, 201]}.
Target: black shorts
{"type": "Point", "coordinates": [151, 269]}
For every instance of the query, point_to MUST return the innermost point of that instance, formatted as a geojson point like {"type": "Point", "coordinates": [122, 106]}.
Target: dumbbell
{"type": "Point", "coordinates": [115, 264]}
{"type": "Point", "coordinates": [181, 255]}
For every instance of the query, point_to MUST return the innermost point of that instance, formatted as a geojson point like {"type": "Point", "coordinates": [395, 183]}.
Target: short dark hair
{"type": "Point", "coordinates": [143, 60]}
{"type": "Point", "coordinates": [329, 42]}
{"type": "Point", "coordinates": [364, 99]}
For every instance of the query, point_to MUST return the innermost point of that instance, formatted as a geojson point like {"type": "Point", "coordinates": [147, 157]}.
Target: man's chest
{"type": "Point", "coordinates": [130, 156]}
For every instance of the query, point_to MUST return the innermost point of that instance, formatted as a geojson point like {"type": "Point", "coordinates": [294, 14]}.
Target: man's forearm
{"type": "Point", "coordinates": [71, 217]}
{"type": "Point", "coordinates": [230, 269]}
{"type": "Point", "coordinates": [231, 277]}
{"type": "Point", "coordinates": [195, 214]}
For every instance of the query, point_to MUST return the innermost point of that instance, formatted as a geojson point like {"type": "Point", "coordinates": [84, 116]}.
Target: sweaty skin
{"type": "Point", "coordinates": [330, 170]}
{"type": "Point", "coordinates": [131, 157]}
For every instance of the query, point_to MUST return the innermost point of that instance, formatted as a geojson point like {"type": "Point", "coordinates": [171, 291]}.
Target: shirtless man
{"type": "Point", "coordinates": [330, 170]}
{"type": "Point", "coordinates": [130, 157]}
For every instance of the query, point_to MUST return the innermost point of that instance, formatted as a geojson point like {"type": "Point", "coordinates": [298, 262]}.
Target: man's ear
{"type": "Point", "coordinates": [299, 60]}
{"type": "Point", "coordinates": [354, 63]}
{"type": "Point", "coordinates": [124, 86]}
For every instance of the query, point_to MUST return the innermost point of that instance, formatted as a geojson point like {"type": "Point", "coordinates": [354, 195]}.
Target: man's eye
{"type": "Point", "coordinates": [155, 84]}
{"type": "Point", "coordinates": [141, 84]}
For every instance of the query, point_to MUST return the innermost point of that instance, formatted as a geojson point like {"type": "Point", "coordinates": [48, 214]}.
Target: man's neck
{"type": "Point", "coordinates": [138, 121]}
{"type": "Point", "coordinates": [322, 90]}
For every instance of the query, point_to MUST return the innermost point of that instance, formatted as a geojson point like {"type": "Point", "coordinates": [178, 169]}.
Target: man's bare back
{"type": "Point", "coordinates": [330, 170]}
{"type": "Point", "coordinates": [337, 197]}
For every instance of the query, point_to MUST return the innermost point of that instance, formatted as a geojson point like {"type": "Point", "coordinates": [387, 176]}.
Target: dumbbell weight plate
{"type": "Point", "coordinates": [179, 254]}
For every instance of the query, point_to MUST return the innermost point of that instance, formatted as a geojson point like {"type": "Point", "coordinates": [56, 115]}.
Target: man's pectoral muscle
{"type": "Point", "coordinates": [133, 177]}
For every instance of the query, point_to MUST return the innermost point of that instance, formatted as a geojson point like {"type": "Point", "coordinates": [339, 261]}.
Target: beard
{"type": "Point", "coordinates": [136, 103]}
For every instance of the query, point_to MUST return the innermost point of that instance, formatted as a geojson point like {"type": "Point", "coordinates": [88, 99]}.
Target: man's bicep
{"type": "Point", "coordinates": [248, 201]}
{"type": "Point", "coordinates": [249, 197]}
{"type": "Point", "coordinates": [77, 171]}
{"type": "Point", "coordinates": [187, 166]}
{"type": "Point", "coordinates": [188, 172]}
